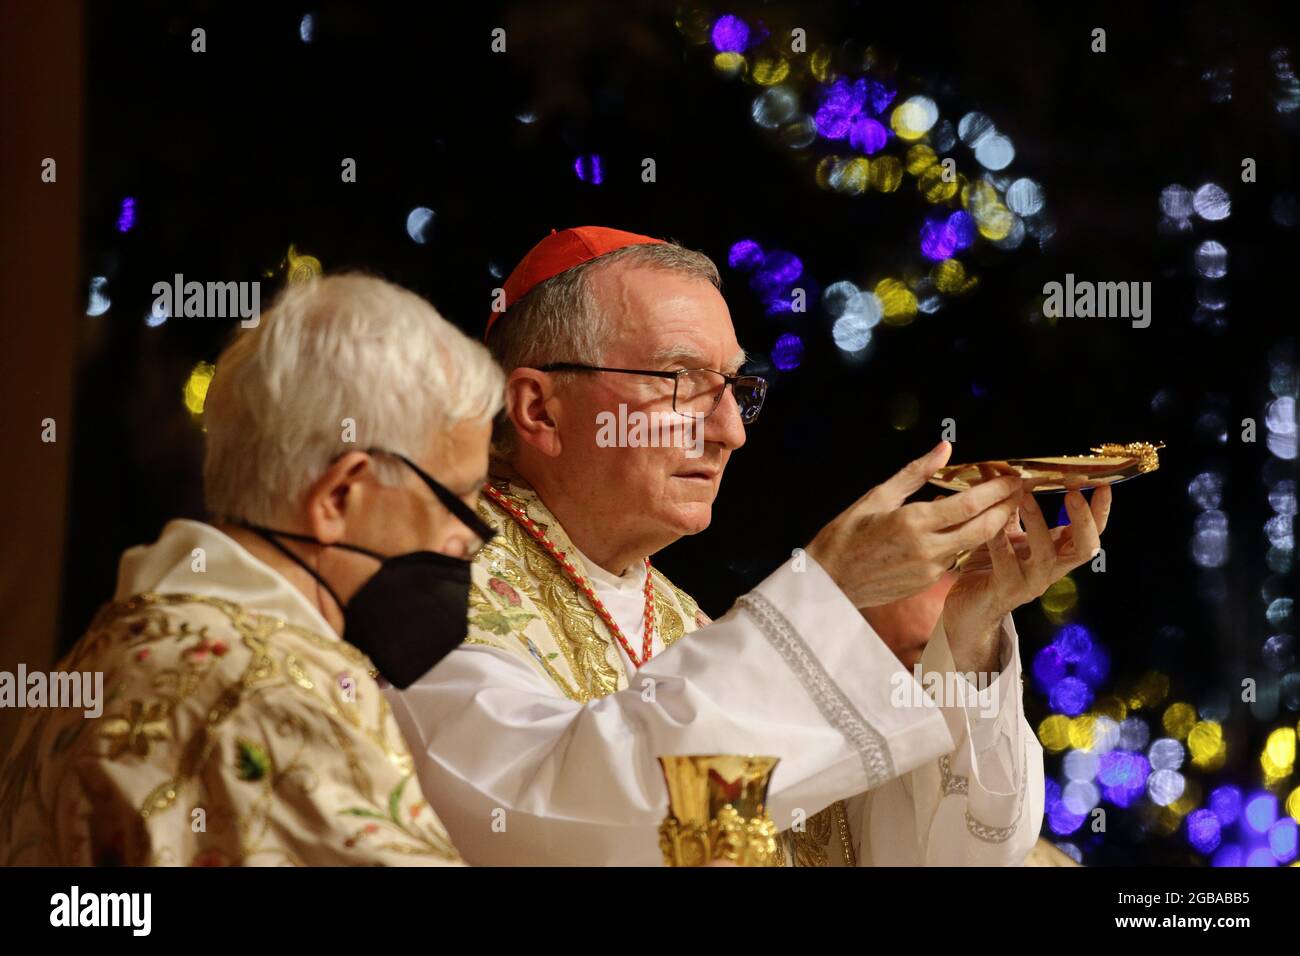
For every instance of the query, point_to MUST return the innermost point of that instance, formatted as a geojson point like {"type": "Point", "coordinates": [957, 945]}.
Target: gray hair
{"type": "Point", "coordinates": [334, 350]}
{"type": "Point", "coordinates": [560, 320]}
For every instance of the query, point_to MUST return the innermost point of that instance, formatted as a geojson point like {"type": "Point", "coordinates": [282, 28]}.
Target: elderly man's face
{"type": "Point", "coordinates": [659, 320]}
{"type": "Point", "coordinates": [398, 519]}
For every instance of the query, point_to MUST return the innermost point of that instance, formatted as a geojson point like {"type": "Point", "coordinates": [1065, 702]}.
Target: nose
{"type": "Point", "coordinates": [725, 425]}
{"type": "Point", "coordinates": [454, 539]}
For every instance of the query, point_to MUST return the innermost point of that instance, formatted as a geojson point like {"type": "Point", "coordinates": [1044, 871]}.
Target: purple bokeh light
{"type": "Point", "coordinates": [1123, 776]}
{"type": "Point", "coordinates": [938, 240]}
{"type": "Point", "coordinates": [1048, 667]}
{"type": "Point", "coordinates": [787, 353]}
{"type": "Point", "coordinates": [1225, 801]}
{"type": "Point", "coordinates": [730, 34]}
{"type": "Point", "coordinates": [868, 135]}
{"type": "Point", "coordinates": [588, 169]}
{"type": "Point", "coordinates": [1282, 840]}
{"type": "Point", "coordinates": [126, 218]}
{"type": "Point", "coordinates": [1094, 668]}
{"type": "Point", "coordinates": [745, 255]}
{"type": "Point", "coordinates": [1073, 641]}
{"type": "Point", "coordinates": [1204, 831]}
{"type": "Point", "coordinates": [1261, 811]}
{"type": "Point", "coordinates": [1070, 696]}
{"type": "Point", "coordinates": [963, 226]}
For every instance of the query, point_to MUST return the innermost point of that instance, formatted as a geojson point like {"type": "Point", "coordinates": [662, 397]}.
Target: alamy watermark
{"type": "Point", "coordinates": [945, 689]}
{"type": "Point", "coordinates": [640, 429]}
{"type": "Point", "coordinates": [209, 300]}
{"type": "Point", "coordinates": [75, 689]}
{"type": "Point", "coordinates": [1100, 300]}
{"type": "Point", "coordinates": [75, 908]}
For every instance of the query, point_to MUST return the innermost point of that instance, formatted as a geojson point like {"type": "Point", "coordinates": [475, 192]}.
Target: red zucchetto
{"type": "Point", "coordinates": [560, 251]}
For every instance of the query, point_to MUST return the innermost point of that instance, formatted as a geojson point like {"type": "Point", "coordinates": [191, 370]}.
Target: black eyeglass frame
{"type": "Point", "coordinates": [728, 381]}
{"type": "Point", "coordinates": [461, 511]}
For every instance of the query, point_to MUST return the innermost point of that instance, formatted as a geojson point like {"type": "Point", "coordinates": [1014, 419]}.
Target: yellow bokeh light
{"type": "Point", "coordinates": [824, 169]}
{"type": "Point", "coordinates": [1083, 732]}
{"type": "Point", "coordinates": [948, 276]}
{"type": "Point", "coordinates": [920, 158]}
{"type": "Point", "coordinates": [851, 176]}
{"type": "Point", "coordinates": [886, 174]}
{"type": "Point", "coordinates": [978, 195]}
{"type": "Point", "coordinates": [1189, 801]}
{"type": "Point", "coordinates": [196, 387]}
{"type": "Point", "coordinates": [1178, 720]}
{"type": "Point", "coordinates": [820, 64]}
{"type": "Point", "coordinates": [934, 185]}
{"type": "Point", "coordinates": [769, 70]}
{"type": "Point", "coordinates": [1293, 804]}
{"type": "Point", "coordinates": [1060, 599]}
{"type": "Point", "coordinates": [1274, 776]}
{"type": "Point", "coordinates": [302, 267]}
{"type": "Point", "coordinates": [1163, 820]}
{"type": "Point", "coordinates": [1280, 748]}
{"type": "Point", "coordinates": [1151, 689]}
{"type": "Point", "coordinates": [1205, 742]}
{"type": "Point", "coordinates": [898, 302]}
{"type": "Point", "coordinates": [1108, 705]}
{"type": "Point", "coordinates": [995, 222]}
{"type": "Point", "coordinates": [1054, 733]}
{"type": "Point", "coordinates": [913, 118]}
{"type": "Point", "coordinates": [1213, 762]}
{"type": "Point", "coordinates": [730, 64]}
{"type": "Point", "coordinates": [695, 25]}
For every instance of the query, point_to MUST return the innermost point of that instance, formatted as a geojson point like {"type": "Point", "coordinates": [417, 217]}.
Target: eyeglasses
{"type": "Point", "coordinates": [697, 392]}
{"type": "Point", "coordinates": [461, 511]}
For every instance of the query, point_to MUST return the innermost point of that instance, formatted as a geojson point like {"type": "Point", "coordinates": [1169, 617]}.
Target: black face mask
{"type": "Point", "coordinates": [412, 613]}
{"type": "Point", "coordinates": [414, 610]}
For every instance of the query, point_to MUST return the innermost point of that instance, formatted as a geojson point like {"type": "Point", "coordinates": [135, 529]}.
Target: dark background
{"type": "Point", "coordinates": [233, 154]}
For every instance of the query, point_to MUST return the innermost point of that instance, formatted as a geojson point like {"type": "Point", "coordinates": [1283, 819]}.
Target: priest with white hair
{"type": "Point", "coordinates": [584, 663]}
{"type": "Point", "coordinates": [243, 721]}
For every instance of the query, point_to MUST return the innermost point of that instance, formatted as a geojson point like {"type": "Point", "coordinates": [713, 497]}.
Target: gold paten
{"type": "Point", "coordinates": [1108, 465]}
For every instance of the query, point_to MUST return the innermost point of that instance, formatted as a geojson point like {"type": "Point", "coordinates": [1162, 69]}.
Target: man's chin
{"type": "Point", "coordinates": [691, 518]}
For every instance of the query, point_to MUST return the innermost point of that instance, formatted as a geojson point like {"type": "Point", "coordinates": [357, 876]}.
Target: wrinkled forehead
{"type": "Point", "coordinates": [665, 317]}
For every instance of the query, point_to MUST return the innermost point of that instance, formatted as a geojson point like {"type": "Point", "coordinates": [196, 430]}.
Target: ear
{"type": "Point", "coordinates": [335, 494]}
{"type": "Point", "coordinates": [531, 404]}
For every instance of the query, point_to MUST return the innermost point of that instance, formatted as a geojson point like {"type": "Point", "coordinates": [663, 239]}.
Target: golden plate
{"type": "Point", "coordinates": [1108, 465]}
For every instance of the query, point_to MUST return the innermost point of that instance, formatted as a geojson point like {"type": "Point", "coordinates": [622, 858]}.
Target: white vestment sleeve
{"type": "Point", "coordinates": [979, 805]}
{"type": "Point", "coordinates": [521, 775]}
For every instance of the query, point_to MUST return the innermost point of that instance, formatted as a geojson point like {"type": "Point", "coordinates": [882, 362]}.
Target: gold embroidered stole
{"type": "Point", "coordinates": [522, 603]}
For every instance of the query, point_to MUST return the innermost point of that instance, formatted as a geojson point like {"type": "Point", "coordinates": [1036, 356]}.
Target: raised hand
{"type": "Point", "coordinates": [1016, 567]}
{"type": "Point", "coordinates": [880, 549]}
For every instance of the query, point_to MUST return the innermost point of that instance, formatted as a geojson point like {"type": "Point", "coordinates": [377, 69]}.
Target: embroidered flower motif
{"type": "Point", "coordinates": [503, 621]}
{"type": "Point", "coordinates": [211, 857]}
{"type": "Point", "coordinates": [137, 729]}
{"type": "Point", "coordinates": [199, 653]}
{"type": "Point", "coordinates": [142, 655]}
{"type": "Point", "coordinates": [507, 593]}
{"type": "Point", "coordinates": [252, 762]}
